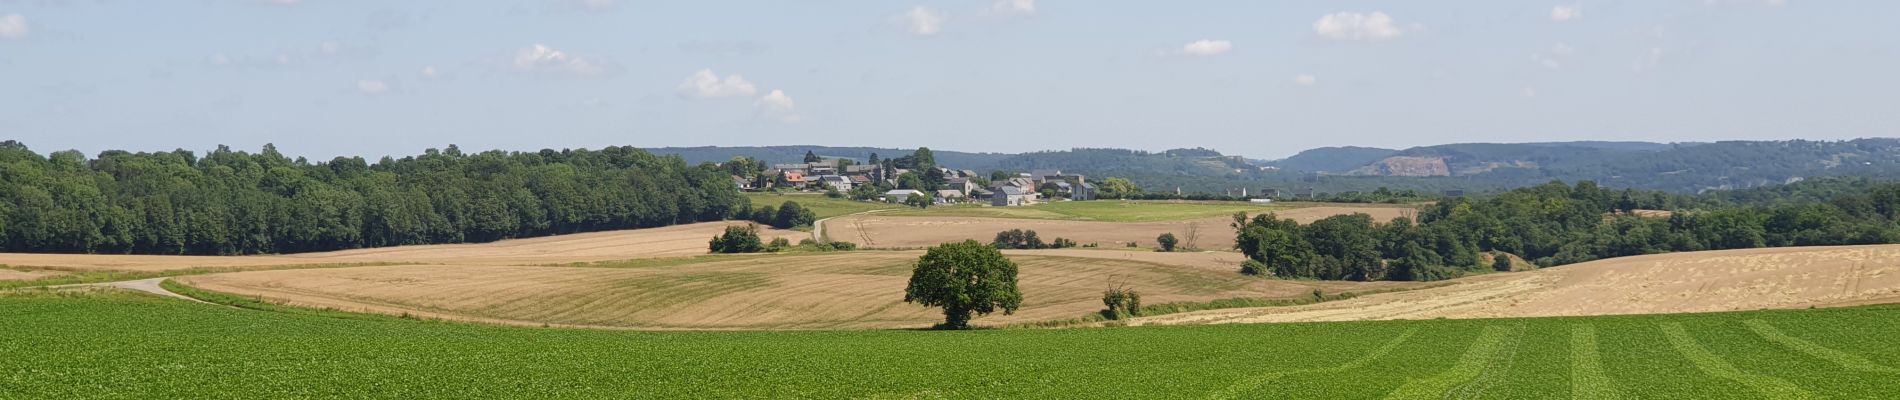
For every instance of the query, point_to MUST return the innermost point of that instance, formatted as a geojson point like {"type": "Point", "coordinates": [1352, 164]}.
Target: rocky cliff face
{"type": "Point", "coordinates": [1406, 166]}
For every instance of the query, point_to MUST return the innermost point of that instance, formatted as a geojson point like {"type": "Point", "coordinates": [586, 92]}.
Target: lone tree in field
{"type": "Point", "coordinates": [964, 278]}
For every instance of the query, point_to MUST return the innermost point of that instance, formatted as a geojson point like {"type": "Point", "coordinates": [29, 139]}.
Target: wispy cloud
{"type": "Point", "coordinates": [1207, 47]}
{"type": "Point", "coordinates": [1357, 26]}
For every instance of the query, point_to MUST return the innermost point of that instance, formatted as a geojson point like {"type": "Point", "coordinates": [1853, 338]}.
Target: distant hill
{"type": "Point", "coordinates": [1334, 159]}
{"type": "Point", "coordinates": [792, 154]}
{"type": "Point", "coordinates": [1474, 167]}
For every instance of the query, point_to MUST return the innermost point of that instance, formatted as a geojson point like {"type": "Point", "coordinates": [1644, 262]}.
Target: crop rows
{"type": "Point", "coordinates": [124, 346]}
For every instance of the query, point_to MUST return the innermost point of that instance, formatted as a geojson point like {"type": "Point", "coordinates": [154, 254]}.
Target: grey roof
{"type": "Point", "coordinates": [1012, 191]}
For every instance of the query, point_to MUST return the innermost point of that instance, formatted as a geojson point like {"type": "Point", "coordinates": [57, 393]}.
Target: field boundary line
{"type": "Point", "coordinates": [1249, 384]}
{"type": "Point", "coordinates": [1712, 364]}
{"type": "Point", "coordinates": [1841, 358]}
{"type": "Point", "coordinates": [1470, 367]}
{"type": "Point", "coordinates": [1500, 365]}
{"type": "Point", "coordinates": [1587, 380]}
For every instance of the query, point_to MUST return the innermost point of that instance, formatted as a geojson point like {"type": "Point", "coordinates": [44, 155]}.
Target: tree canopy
{"type": "Point", "coordinates": [964, 278]}
{"type": "Point", "coordinates": [1554, 224]}
{"type": "Point", "coordinates": [235, 202]}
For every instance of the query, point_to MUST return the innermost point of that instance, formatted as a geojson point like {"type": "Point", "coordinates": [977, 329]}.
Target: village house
{"type": "Point", "coordinates": [950, 196]}
{"type": "Point", "coordinates": [795, 179]}
{"type": "Point", "coordinates": [870, 171]}
{"type": "Point", "coordinates": [800, 168]}
{"type": "Point", "coordinates": [961, 185]}
{"type": "Point", "coordinates": [743, 183]}
{"type": "Point", "coordinates": [1010, 196]}
{"type": "Point", "coordinates": [901, 195]}
{"type": "Point", "coordinates": [835, 182]}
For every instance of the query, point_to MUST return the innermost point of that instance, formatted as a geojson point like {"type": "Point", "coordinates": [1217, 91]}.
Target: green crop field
{"type": "Point", "coordinates": [107, 345]}
{"type": "Point", "coordinates": [824, 207]}
{"type": "Point", "coordinates": [1106, 210]}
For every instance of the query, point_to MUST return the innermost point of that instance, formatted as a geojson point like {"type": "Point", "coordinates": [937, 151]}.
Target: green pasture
{"type": "Point", "coordinates": [113, 345]}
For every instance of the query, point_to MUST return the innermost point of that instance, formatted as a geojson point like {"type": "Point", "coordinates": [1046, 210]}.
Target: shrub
{"type": "Point", "coordinates": [1253, 267]}
{"type": "Point", "coordinates": [1501, 262]}
{"type": "Point", "coordinates": [778, 245]}
{"type": "Point", "coordinates": [791, 215]}
{"type": "Point", "coordinates": [1120, 302]}
{"type": "Point", "coordinates": [1061, 243]}
{"type": "Point", "coordinates": [1167, 241]}
{"type": "Point", "coordinates": [1021, 240]}
{"type": "Point", "coordinates": [738, 239]}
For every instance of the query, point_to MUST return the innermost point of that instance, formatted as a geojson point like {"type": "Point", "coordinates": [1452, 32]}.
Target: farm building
{"type": "Point", "coordinates": [1009, 196]}
{"type": "Point", "coordinates": [900, 195]}
{"type": "Point", "coordinates": [836, 182]}
{"type": "Point", "coordinates": [948, 196]}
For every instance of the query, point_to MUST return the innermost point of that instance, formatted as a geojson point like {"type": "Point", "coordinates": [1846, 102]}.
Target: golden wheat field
{"type": "Point", "coordinates": [672, 241]}
{"type": "Point", "coordinates": [809, 291]}
{"type": "Point", "coordinates": [1710, 281]}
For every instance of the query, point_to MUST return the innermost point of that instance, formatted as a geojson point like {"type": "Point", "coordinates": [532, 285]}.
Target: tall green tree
{"type": "Point", "coordinates": [964, 279]}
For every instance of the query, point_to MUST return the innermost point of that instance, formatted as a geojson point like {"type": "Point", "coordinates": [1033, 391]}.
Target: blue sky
{"type": "Point", "coordinates": [1260, 78]}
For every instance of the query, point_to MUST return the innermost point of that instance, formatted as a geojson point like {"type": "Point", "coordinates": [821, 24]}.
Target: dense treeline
{"type": "Point", "coordinates": [1552, 224]}
{"type": "Point", "coordinates": [234, 202]}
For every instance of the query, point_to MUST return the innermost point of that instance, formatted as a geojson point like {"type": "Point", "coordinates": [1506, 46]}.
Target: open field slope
{"type": "Point", "coordinates": [890, 230]}
{"type": "Point", "coordinates": [823, 207]}
{"type": "Point", "coordinates": [1150, 211]}
{"type": "Point", "coordinates": [17, 275]}
{"type": "Point", "coordinates": [121, 346]}
{"type": "Point", "coordinates": [814, 291]}
{"type": "Point", "coordinates": [1711, 281]}
{"type": "Point", "coordinates": [672, 241]}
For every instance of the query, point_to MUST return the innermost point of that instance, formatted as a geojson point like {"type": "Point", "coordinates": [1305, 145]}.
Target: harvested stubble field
{"type": "Point", "coordinates": [1731, 280]}
{"type": "Point", "coordinates": [672, 241]}
{"type": "Point", "coordinates": [890, 230]}
{"type": "Point", "coordinates": [104, 345]}
{"type": "Point", "coordinates": [800, 291]}
{"type": "Point", "coordinates": [823, 207]}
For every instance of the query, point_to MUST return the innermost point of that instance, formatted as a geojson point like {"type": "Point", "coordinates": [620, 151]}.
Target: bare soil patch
{"type": "Point", "coordinates": [817, 291]}
{"type": "Point", "coordinates": [1732, 280]}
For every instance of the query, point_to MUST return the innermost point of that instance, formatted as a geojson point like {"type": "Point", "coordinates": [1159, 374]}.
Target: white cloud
{"type": "Point", "coordinates": [777, 101]}
{"type": "Point", "coordinates": [1565, 13]}
{"type": "Point", "coordinates": [1014, 7]}
{"type": "Point", "coordinates": [1205, 47]}
{"type": "Point", "coordinates": [281, 2]}
{"type": "Point", "coordinates": [329, 47]}
{"type": "Point", "coordinates": [541, 58]}
{"type": "Point", "coordinates": [372, 87]}
{"type": "Point", "coordinates": [705, 85]}
{"type": "Point", "coordinates": [1305, 80]}
{"type": "Point", "coordinates": [429, 72]}
{"type": "Point", "coordinates": [779, 106]}
{"type": "Point", "coordinates": [1357, 26]}
{"type": "Point", "coordinates": [13, 26]}
{"type": "Point", "coordinates": [218, 59]}
{"type": "Point", "coordinates": [923, 21]}
{"type": "Point", "coordinates": [1530, 92]}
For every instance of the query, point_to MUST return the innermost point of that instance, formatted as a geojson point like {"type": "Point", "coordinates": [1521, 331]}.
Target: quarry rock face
{"type": "Point", "coordinates": [1407, 166]}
